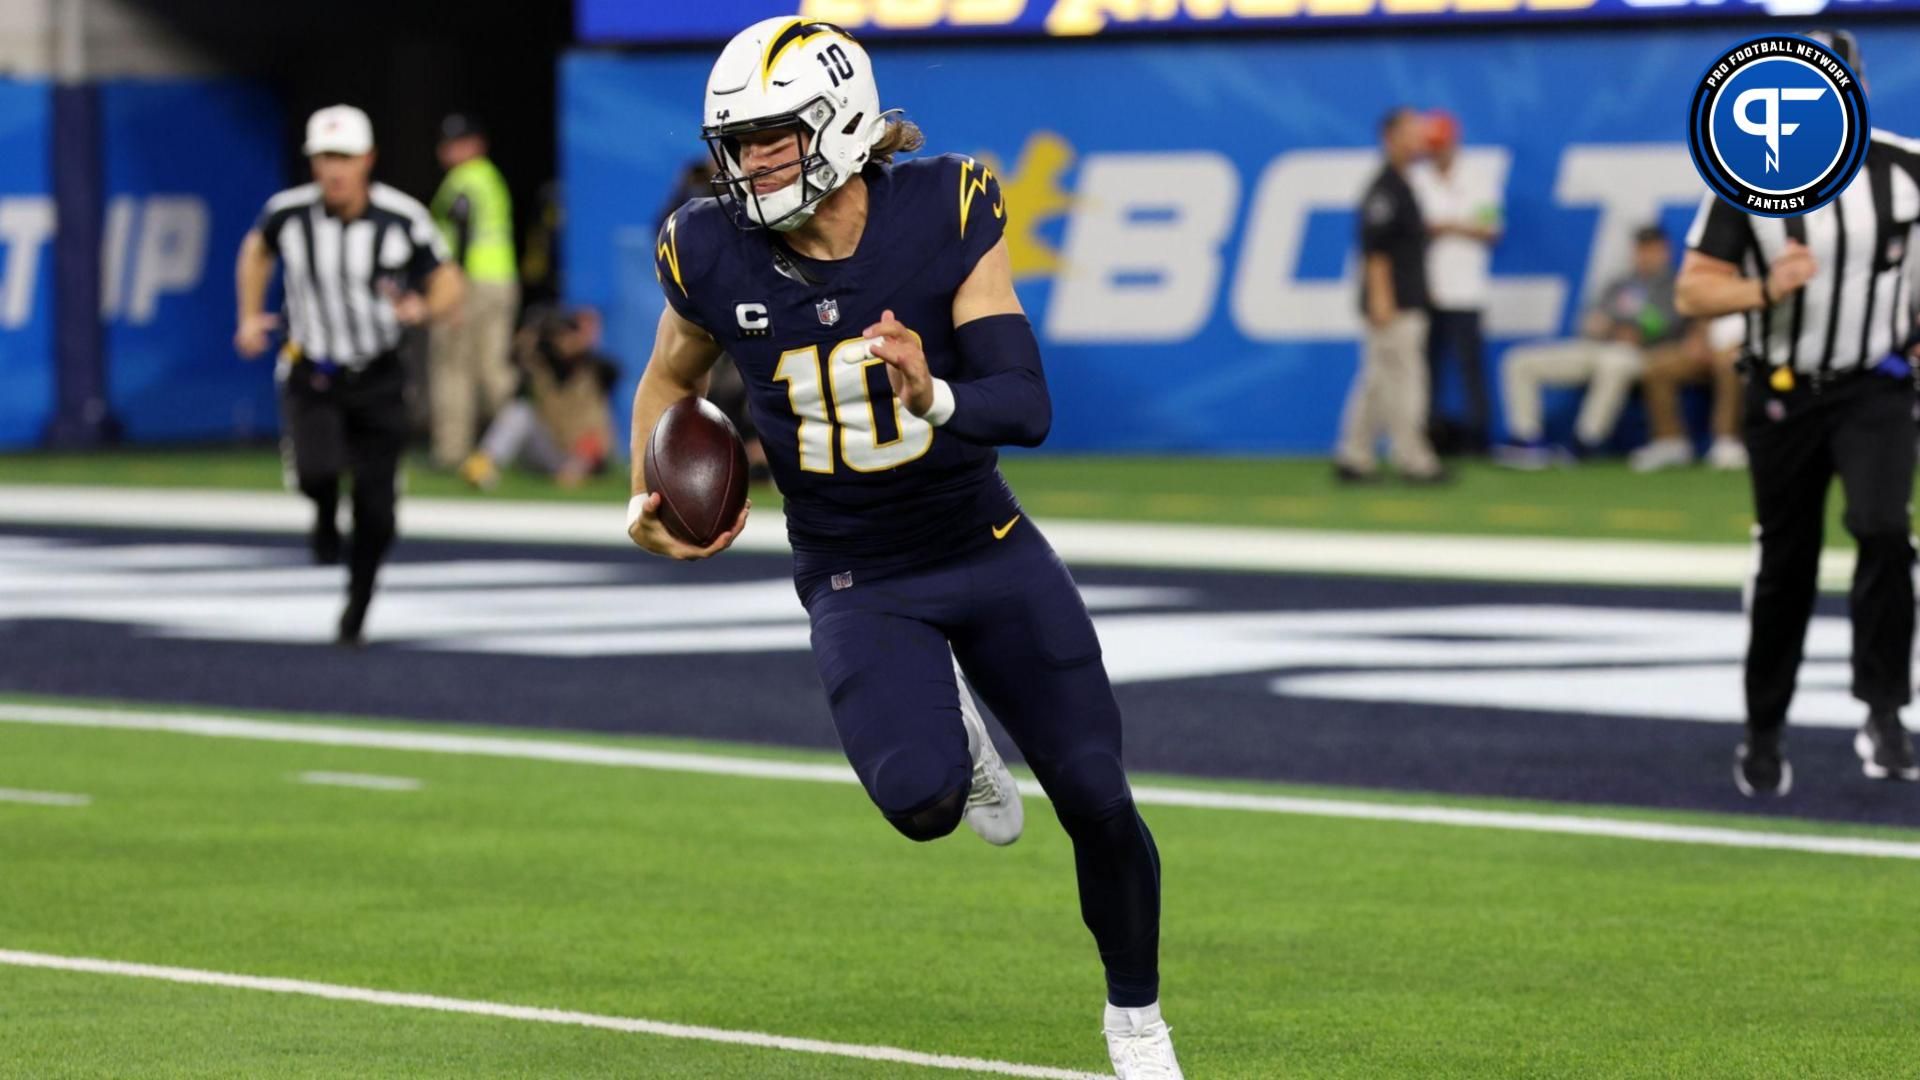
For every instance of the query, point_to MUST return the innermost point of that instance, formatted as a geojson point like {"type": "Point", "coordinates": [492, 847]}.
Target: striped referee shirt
{"type": "Point", "coordinates": [1860, 305]}
{"type": "Point", "coordinates": [336, 271]}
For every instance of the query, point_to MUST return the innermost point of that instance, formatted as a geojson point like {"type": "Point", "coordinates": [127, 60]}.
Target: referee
{"type": "Point", "coordinates": [362, 262]}
{"type": "Point", "coordinates": [1829, 391]}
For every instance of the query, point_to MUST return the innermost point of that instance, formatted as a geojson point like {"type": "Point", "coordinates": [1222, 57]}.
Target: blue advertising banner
{"type": "Point", "coordinates": [26, 264]}
{"type": "Point", "coordinates": [717, 20]}
{"type": "Point", "coordinates": [188, 166]}
{"type": "Point", "coordinates": [1182, 224]}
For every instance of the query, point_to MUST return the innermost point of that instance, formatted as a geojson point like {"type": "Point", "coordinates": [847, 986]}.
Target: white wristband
{"type": "Point", "coordinates": [636, 509]}
{"type": "Point", "coordinates": [941, 410]}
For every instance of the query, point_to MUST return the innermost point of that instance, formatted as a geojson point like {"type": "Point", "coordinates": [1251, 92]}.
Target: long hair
{"type": "Point", "coordinates": [901, 137]}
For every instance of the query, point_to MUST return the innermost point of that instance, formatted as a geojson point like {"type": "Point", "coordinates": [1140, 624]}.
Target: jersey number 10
{"type": "Point", "coordinates": [860, 446]}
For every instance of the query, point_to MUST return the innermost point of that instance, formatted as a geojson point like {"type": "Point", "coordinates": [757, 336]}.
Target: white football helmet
{"type": "Point", "coordinates": [798, 73]}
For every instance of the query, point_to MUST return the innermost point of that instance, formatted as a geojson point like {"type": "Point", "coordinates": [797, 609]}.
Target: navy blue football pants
{"type": "Point", "coordinates": [1010, 613]}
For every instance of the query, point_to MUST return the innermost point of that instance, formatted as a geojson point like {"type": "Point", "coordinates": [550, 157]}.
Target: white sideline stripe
{"type": "Point", "coordinates": [1569, 824]}
{"type": "Point", "coordinates": [359, 780]}
{"type": "Point", "coordinates": [433, 1003]}
{"type": "Point", "coordinates": [44, 798]}
{"type": "Point", "coordinates": [1105, 543]}
{"type": "Point", "coordinates": [224, 727]}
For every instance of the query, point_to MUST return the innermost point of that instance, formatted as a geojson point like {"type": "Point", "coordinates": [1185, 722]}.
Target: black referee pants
{"type": "Point", "coordinates": [349, 422]}
{"type": "Point", "coordinates": [1861, 429]}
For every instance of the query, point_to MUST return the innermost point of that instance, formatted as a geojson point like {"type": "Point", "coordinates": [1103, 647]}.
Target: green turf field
{"type": "Point", "coordinates": [1602, 499]}
{"type": "Point", "coordinates": [1294, 946]}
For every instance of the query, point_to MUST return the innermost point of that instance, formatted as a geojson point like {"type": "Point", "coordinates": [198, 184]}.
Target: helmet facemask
{"type": "Point", "coordinates": [792, 205]}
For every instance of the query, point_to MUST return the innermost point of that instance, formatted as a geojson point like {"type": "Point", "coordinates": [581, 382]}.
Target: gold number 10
{"type": "Point", "coordinates": [860, 445]}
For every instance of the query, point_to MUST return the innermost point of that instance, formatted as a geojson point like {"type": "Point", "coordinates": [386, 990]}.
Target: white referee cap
{"type": "Point", "coordinates": [339, 129]}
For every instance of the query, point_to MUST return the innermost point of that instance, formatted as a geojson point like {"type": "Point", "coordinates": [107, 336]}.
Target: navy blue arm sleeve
{"type": "Point", "coordinates": [1003, 401]}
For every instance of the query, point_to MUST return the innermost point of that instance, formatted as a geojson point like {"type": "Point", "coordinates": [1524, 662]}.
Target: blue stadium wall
{"type": "Point", "coordinates": [1181, 212]}
{"type": "Point", "coordinates": [185, 167]}
{"type": "Point", "coordinates": [26, 265]}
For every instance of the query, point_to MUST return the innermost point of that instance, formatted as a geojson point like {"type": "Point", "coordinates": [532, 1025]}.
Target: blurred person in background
{"type": "Point", "coordinates": [342, 388]}
{"type": "Point", "coordinates": [1463, 216]}
{"type": "Point", "coordinates": [694, 182]}
{"type": "Point", "coordinates": [469, 363]}
{"type": "Point", "coordinates": [1635, 314]}
{"type": "Point", "coordinates": [540, 278]}
{"type": "Point", "coordinates": [561, 424]}
{"type": "Point", "coordinates": [1389, 391]}
{"type": "Point", "coordinates": [1709, 354]}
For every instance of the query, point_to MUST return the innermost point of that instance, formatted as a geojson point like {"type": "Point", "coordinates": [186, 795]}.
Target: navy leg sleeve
{"type": "Point", "coordinates": [1033, 655]}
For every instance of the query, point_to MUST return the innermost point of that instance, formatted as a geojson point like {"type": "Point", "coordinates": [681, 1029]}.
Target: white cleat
{"type": "Point", "coordinates": [1727, 454]}
{"type": "Point", "coordinates": [1661, 454]}
{"type": "Point", "coordinates": [993, 802]}
{"type": "Point", "coordinates": [1140, 1044]}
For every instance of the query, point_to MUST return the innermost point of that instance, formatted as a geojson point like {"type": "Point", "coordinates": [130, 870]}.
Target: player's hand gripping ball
{"type": "Point", "coordinates": [696, 474]}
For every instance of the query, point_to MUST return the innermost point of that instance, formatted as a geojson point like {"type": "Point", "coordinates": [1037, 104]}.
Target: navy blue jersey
{"type": "Point", "coordinates": [867, 484]}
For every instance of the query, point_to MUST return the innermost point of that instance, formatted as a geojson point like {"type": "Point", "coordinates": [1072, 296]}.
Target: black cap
{"type": "Point", "coordinates": [1844, 45]}
{"type": "Point", "coordinates": [459, 126]}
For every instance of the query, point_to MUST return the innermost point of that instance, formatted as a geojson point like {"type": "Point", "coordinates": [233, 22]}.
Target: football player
{"type": "Point", "coordinates": [869, 306]}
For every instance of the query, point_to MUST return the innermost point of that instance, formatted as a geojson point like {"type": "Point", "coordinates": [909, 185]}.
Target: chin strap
{"type": "Point", "coordinates": [797, 218]}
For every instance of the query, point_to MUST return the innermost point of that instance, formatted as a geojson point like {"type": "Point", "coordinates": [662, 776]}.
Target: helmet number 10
{"type": "Point", "coordinates": [834, 59]}
{"type": "Point", "coordinates": [857, 430]}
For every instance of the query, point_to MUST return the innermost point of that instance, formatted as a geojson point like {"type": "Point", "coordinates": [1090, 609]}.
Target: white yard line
{"type": "Point", "coordinates": [230, 727]}
{"type": "Point", "coordinates": [433, 1003]}
{"type": "Point", "coordinates": [359, 780]}
{"type": "Point", "coordinates": [1106, 543]}
{"type": "Point", "coordinates": [44, 798]}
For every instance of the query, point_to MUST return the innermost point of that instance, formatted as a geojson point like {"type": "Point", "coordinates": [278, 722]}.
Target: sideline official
{"type": "Point", "coordinates": [469, 364]}
{"type": "Point", "coordinates": [1389, 391]}
{"type": "Point", "coordinates": [1829, 392]}
{"type": "Point", "coordinates": [361, 260]}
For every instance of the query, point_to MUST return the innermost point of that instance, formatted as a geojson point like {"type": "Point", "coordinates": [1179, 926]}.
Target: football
{"type": "Point", "coordinates": [698, 464]}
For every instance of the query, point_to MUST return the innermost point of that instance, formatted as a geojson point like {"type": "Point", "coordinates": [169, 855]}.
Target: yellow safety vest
{"type": "Point", "coordinates": [488, 255]}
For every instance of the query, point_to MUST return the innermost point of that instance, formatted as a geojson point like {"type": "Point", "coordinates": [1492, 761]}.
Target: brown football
{"type": "Point", "coordinates": [698, 464]}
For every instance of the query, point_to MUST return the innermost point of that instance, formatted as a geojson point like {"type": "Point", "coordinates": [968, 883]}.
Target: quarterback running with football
{"type": "Point", "coordinates": [869, 305]}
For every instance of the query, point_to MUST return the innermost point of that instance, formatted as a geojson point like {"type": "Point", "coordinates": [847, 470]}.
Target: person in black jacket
{"type": "Point", "coordinates": [1389, 393]}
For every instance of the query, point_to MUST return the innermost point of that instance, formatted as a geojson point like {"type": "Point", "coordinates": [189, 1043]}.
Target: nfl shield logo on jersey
{"type": "Point", "coordinates": [829, 312]}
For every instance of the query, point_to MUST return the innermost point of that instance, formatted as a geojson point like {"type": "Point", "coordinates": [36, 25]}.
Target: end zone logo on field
{"type": "Point", "coordinates": [1778, 125]}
